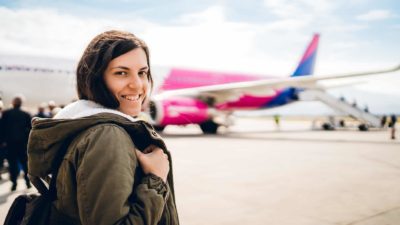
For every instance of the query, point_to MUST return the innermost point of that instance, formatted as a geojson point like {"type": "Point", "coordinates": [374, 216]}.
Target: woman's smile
{"type": "Point", "coordinates": [131, 97]}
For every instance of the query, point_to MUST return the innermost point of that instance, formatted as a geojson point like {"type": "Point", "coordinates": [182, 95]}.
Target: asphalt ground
{"type": "Point", "coordinates": [255, 173]}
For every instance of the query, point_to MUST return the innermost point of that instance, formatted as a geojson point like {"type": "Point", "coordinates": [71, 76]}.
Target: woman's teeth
{"type": "Point", "coordinates": [131, 97]}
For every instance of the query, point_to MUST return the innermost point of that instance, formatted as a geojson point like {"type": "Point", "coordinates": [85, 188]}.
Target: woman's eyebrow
{"type": "Point", "coordinates": [144, 68]}
{"type": "Point", "coordinates": [127, 68]}
{"type": "Point", "coordinates": [120, 67]}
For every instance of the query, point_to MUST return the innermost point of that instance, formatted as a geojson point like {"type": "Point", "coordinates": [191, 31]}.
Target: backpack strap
{"type": "Point", "coordinates": [51, 191]}
{"type": "Point", "coordinates": [56, 166]}
{"type": "Point", "coordinates": [39, 184]}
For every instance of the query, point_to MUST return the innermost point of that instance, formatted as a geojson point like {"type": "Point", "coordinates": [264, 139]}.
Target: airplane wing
{"type": "Point", "coordinates": [231, 91]}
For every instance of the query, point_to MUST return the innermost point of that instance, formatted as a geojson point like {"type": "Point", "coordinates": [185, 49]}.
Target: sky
{"type": "Point", "coordinates": [265, 37]}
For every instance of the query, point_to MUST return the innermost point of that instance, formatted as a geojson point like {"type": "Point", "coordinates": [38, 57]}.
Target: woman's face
{"type": "Point", "coordinates": [126, 78]}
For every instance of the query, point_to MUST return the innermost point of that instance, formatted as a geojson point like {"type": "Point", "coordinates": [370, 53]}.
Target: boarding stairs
{"type": "Point", "coordinates": [341, 106]}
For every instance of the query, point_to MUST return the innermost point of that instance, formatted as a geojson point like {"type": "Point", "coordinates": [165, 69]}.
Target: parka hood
{"type": "Point", "coordinates": [84, 108]}
{"type": "Point", "coordinates": [48, 135]}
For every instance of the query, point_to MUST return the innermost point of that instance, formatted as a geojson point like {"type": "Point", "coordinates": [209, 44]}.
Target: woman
{"type": "Point", "coordinates": [116, 169]}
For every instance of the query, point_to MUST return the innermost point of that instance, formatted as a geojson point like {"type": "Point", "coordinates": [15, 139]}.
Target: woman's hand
{"type": "Point", "coordinates": [154, 161]}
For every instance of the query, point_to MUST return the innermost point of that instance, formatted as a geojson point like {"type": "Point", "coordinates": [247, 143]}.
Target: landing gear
{"type": "Point", "coordinates": [328, 126]}
{"type": "Point", "coordinates": [363, 127]}
{"type": "Point", "coordinates": [209, 127]}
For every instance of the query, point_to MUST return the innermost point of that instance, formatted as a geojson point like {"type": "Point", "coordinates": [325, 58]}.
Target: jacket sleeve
{"type": "Point", "coordinates": [105, 179]}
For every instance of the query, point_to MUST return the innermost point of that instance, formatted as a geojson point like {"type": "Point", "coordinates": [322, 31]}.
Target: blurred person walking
{"type": "Point", "coordinates": [277, 119]}
{"type": "Point", "coordinates": [16, 125]}
{"type": "Point", "coordinates": [51, 106]}
{"type": "Point", "coordinates": [392, 125]}
{"type": "Point", "coordinates": [41, 111]}
{"type": "Point", "coordinates": [3, 150]}
{"type": "Point", "coordinates": [383, 121]}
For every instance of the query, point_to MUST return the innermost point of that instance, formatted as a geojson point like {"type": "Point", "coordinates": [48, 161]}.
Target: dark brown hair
{"type": "Point", "coordinates": [17, 102]}
{"type": "Point", "coordinates": [94, 61]}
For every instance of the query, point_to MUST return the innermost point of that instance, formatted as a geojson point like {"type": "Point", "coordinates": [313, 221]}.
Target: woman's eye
{"type": "Point", "coordinates": [123, 73]}
{"type": "Point", "coordinates": [143, 73]}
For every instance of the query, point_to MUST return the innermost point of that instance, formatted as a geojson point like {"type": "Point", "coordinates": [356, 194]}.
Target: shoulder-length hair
{"type": "Point", "coordinates": [95, 59]}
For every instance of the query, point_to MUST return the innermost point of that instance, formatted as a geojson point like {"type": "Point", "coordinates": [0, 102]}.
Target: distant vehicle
{"type": "Point", "coordinates": [184, 96]}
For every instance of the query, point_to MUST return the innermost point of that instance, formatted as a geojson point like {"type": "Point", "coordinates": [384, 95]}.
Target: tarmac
{"type": "Point", "coordinates": [255, 173]}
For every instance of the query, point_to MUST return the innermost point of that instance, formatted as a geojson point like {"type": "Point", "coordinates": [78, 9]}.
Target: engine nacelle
{"type": "Point", "coordinates": [178, 111]}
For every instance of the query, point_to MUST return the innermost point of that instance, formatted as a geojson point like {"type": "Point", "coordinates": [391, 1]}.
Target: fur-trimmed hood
{"type": "Point", "coordinates": [84, 108]}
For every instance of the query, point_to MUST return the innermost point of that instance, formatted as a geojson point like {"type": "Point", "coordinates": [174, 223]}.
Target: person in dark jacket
{"type": "Point", "coordinates": [117, 170]}
{"type": "Point", "coordinates": [41, 111]}
{"type": "Point", "coordinates": [392, 125]}
{"type": "Point", "coordinates": [16, 125]}
{"type": "Point", "coordinates": [383, 121]}
{"type": "Point", "coordinates": [3, 150]}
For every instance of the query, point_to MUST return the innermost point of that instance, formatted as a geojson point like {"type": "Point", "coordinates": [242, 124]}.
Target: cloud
{"type": "Point", "coordinates": [206, 39]}
{"type": "Point", "coordinates": [213, 14]}
{"type": "Point", "coordinates": [300, 8]}
{"type": "Point", "coordinates": [389, 85]}
{"type": "Point", "coordinates": [309, 16]}
{"type": "Point", "coordinates": [200, 40]}
{"type": "Point", "coordinates": [47, 32]}
{"type": "Point", "coordinates": [375, 15]}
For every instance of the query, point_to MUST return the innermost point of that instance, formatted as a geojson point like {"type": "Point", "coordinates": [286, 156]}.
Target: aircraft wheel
{"type": "Point", "coordinates": [363, 127]}
{"type": "Point", "coordinates": [327, 126]}
{"type": "Point", "coordinates": [209, 127]}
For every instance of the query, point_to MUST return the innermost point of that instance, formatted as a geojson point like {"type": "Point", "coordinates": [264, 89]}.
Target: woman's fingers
{"type": "Point", "coordinates": [149, 149]}
{"type": "Point", "coordinates": [139, 153]}
{"type": "Point", "coordinates": [155, 162]}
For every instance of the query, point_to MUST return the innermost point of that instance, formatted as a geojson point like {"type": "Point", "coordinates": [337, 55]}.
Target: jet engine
{"type": "Point", "coordinates": [178, 111]}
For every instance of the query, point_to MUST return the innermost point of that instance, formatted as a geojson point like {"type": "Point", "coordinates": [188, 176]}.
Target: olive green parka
{"type": "Point", "coordinates": [100, 181]}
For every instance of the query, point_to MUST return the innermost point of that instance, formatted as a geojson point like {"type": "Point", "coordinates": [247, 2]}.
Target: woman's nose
{"type": "Point", "coordinates": [135, 82]}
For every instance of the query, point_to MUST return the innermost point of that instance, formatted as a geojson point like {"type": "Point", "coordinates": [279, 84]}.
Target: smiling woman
{"type": "Point", "coordinates": [116, 169]}
{"type": "Point", "coordinates": [127, 78]}
{"type": "Point", "coordinates": [117, 59]}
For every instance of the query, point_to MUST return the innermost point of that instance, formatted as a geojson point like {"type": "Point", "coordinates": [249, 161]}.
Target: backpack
{"type": "Point", "coordinates": [29, 209]}
{"type": "Point", "coordinates": [38, 209]}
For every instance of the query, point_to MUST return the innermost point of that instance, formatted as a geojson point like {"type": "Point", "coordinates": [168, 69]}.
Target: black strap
{"type": "Point", "coordinates": [56, 166]}
{"type": "Point", "coordinates": [51, 192]}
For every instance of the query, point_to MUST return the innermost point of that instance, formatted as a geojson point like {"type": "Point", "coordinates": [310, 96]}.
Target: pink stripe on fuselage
{"type": "Point", "coordinates": [183, 78]}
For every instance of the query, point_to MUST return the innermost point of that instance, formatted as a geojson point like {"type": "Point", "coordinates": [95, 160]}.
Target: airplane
{"type": "Point", "coordinates": [185, 96]}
